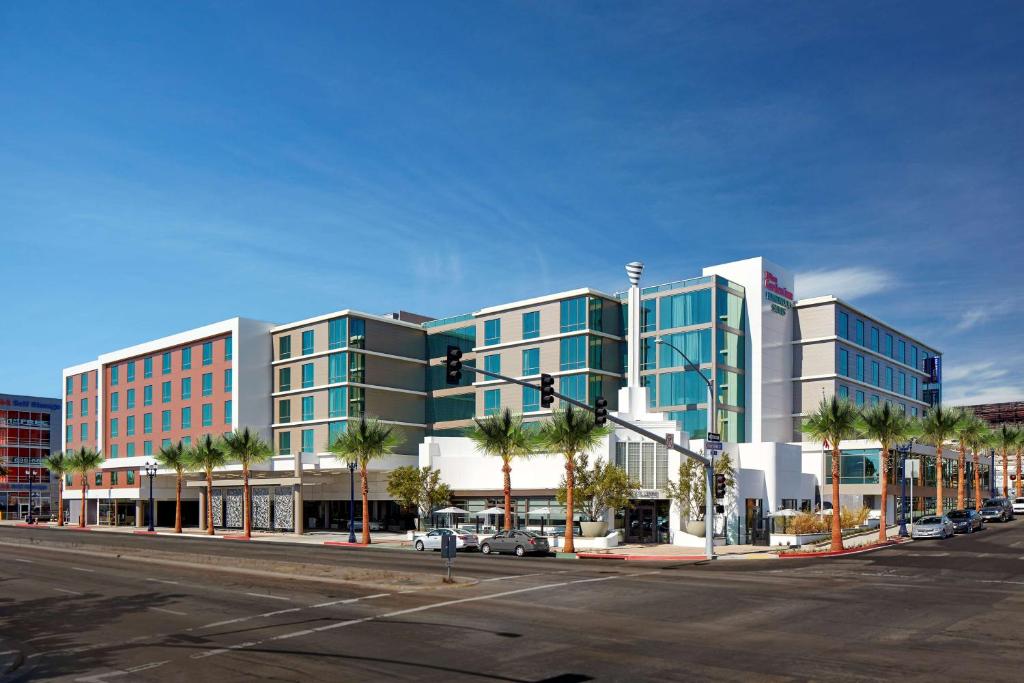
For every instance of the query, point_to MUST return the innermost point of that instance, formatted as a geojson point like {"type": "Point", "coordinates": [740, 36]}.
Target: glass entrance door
{"type": "Point", "coordinates": [640, 523]}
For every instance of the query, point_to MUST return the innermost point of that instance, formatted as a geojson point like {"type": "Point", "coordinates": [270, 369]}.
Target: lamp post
{"type": "Point", "coordinates": [151, 472]}
{"type": "Point", "coordinates": [31, 478]}
{"type": "Point", "coordinates": [904, 451]}
{"type": "Point", "coordinates": [352, 501]}
{"type": "Point", "coordinates": [992, 473]}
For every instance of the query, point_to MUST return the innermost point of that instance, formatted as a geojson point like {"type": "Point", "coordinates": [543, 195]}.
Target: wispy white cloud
{"type": "Point", "coordinates": [848, 283]}
{"type": "Point", "coordinates": [972, 318]}
{"type": "Point", "coordinates": [974, 395]}
{"type": "Point", "coordinates": [983, 371]}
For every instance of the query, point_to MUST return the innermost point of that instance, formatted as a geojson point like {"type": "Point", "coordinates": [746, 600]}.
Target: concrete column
{"type": "Point", "coordinates": [202, 510]}
{"type": "Point", "coordinates": [140, 514]}
{"type": "Point", "coordinates": [297, 496]}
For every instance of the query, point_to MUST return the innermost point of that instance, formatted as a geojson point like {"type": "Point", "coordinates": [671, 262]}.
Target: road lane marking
{"type": "Point", "coordinates": [272, 597]}
{"type": "Point", "coordinates": [169, 611]}
{"type": "Point", "coordinates": [99, 678]}
{"type": "Point", "coordinates": [173, 583]}
{"type": "Point", "coordinates": [80, 569]}
{"type": "Point", "coordinates": [350, 600]}
{"type": "Point", "coordinates": [19, 559]}
{"type": "Point", "coordinates": [9, 652]}
{"type": "Point", "coordinates": [280, 611]}
{"type": "Point", "coordinates": [65, 590]}
{"type": "Point", "coordinates": [513, 576]}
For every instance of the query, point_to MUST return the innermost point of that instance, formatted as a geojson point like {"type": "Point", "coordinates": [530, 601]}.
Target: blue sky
{"type": "Point", "coordinates": [168, 165]}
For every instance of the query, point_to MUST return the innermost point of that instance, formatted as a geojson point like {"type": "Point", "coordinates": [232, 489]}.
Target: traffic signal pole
{"type": "Point", "coordinates": [709, 549]}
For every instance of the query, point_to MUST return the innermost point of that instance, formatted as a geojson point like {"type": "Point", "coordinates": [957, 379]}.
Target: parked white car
{"type": "Point", "coordinates": [432, 541]}
{"type": "Point", "coordinates": [933, 526]}
{"type": "Point", "coordinates": [1018, 506]}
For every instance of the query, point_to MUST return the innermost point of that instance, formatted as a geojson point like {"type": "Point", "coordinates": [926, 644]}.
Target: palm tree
{"type": "Point", "coordinates": [207, 455]}
{"type": "Point", "coordinates": [835, 420]}
{"type": "Point", "coordinates": [571, 432]}
{"type": "Point", "coordinates": [504, 435]}
{"type": "Point", "coordinates": [888, 427]}
{"type": "Point", "coordinates": [58, 464]}
{"type": "Point", "coordinates": [968, 429]}
{"type": "Point", "coordinates": [1019, 443]}
{"type": "Point", "coordinates": [984, 437]}
{"type": "Point", "coordinates": [248, 448]}
{"type": "Point", "coordinates": [174, 456]}
{"type": "Point", "coordinates": [365, 441]}
{"type": "Point", "coordinates": [938, 427]}
{"type": "Point", "coordinates": [82, 462]}
{"type": "Point", "coordinates": [1005, 438]}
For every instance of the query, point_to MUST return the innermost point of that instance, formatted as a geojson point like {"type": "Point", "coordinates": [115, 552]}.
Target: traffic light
{"type": "Point", "coordinates": [719, 486]}
{"type": "Point", "coordinates": [547, 391]}
{"type": "Point", "coordinates": [600, 411]}
{"type": "Point", "coordinates": [453, 365]}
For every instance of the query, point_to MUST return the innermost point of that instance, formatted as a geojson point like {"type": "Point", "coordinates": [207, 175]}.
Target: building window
{"type": "Point", "coordinates": [129, 425]}
{"type": "Point", "coordinates": [696, 345]}
{"type": "Point", "coordinates": [114, 375]}
{"type": "Point", "coordinates": [164, 443]}
{"type": "Point", "coordinates": [147, 367]}
{"type": "Point", "coordinates": [844, 363]}
{"type": "Point", "coordinates": [284, 443]}
{"type": "Point", "coordinates": [874, 399]}
{"type": "Point", "coordinates": [888, 345]}
{"type": "Point", "coordinates": [84, 431]}
{"type": "Point", "coordinates": [165, 421]}
{"type": "Point", "coordinates": [913, 411]}
{"type": "Point", "coordinates": [860, 367]}
{"type": "Point", "coordinates": [284, 347]}
{"type": "Point", "coordinates": [307, 342]}
{"type": "Point", "coordinates": [307, 408]}
{"type": "Point", "coordinates": [648, 315]}
{"type": "Point", "coordinates": [113, 427]}
{"type": "Point", "coordinates": [85, 382]}
{"type": "Point", "coordinates": [227, 412]}
{"type": "Point", "coordinates": [228, 378]}
{"type": "Point", "coordinates": [307, 375]}
{"type": "Point", "coordinates": [492, 363]}
{"type": "Point", "coordinates": [284, 379]}
{"type": "Point", "coordinates": [572, 352]}
{"type": "Point", "coordinates": [129, 451]}
{"type": "Point", "coordinates": [356, 402]}
{"type": "Point", "coordinates": [147, 423]}
{"type": "Point", "coordinates": [874, 339]}
{"type": "Point", "coordinates": [98, 479]}
{"type": "Point", "coordinates": [336, 368]}
{"type": "Point", "coordinates": [83, 408]}
{"type": "Point", "coordinates": [573, 314]}
{"type": "Point", "coordinates": [284, 410]}
{"type": "Point", "coordinates": [307, 441]}
{"type": "Point", "coordinates": [844, 391]}
{"type": "Point", "coordinates": [186, 357]}
{"type": "Point", "coordinates": [207, 384]}
{"type": "Point", "coordinates": [531, 362]}
{"type": "Point", "coordinates": [69, 433]}
{"type": "Point", "coordinates": [208, 353]}
{"type": "Point", "coordinates": [913, 357]}
{"type": "Point", "coordinates": [859, 332]}
{"type": "Point", "coordinates": [531, 325]}
{"type": "Point", "coordinates": [681, 388]}
{"type": "Point", "coordinates": [492, 401]}
{"type": "Point", "coordinates": [337, 331]}
{"type": "Point", "coordinates": [69, 409]}
{"type": "Point", "coordinates": [357, 333]}
{"type": "Point", "coordinates": [186, 418]}
{"type": "Point", "coordinates": [334, 430]}
{"type": "Point", "coordinates": [69, 385]}
{"type": "Point", "coordinates": [207, 414]}
{"type": "Point", "coordinates": [229, 348]}
{"type": "Point", "coordinates": [129, 397]}
{"type": "Point", "coordinates": [913, 388]}
{"type": "Point", "coordinates": [531, 399]}
{"type": "Point", "coordinates": [147, 448]}
{"type": "Point", "coordinates": [682, 310]}
{"type": "Point", "coordinates": [888, 378]}
{"type": "Point", "coordinates": [114, 401]}
{"type": "Point", "coordinates": [874, 373]}
{"type": "Point", "coordinates": [166, 367]}
{"type": "Point", "coordinates": [492, 332]}
{"type": "Point", "coordinates": [356, 368]}
{"type": "Point", "coordinates": [902, 387]}
{"type": "Point", "coordinates": [113, 475]}
{"type": "Point", "coordinates": [165, 392]}
{"type": "Point", "coordinates": [843, 325]}
{"type": "Point", "coordinates": [573, 386]}
{"type": "Point", "coordinates": [859, 397]}
{"type": "Point", "coordinates": [596, 359]}
{"type": "Point", "coordinates": [901, 351]}
{"type": "Point", "coordinates": [336, 402]}
{"type": "Point", "coordinates": [186, 388]}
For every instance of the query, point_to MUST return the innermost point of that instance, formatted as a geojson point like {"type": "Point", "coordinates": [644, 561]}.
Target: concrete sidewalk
{"type": "Point", "coordinates": [674, 552]}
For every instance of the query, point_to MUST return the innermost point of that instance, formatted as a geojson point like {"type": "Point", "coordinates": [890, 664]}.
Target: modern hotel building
{"type": "Point", "coordinates": [29, 431]}
{"type": "Point", "coordinates": [770, 358]}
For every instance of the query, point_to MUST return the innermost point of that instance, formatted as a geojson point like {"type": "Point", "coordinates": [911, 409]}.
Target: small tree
{"type": "Point", "coordinates": [248, 448]}
{"type": "Point", "coordinates": [691, 489]}
{"type": "Point", "coordinates": [599, 488]}
{"type": "Point", "coordinates": [419, 489]}
{"type": "Point", "coordinates": [206, 455]}
{"type": "Point", "coordinates": [365, 441]}
{"type": "Point", "coordinates": [59, 465]}
{"type": "Point", "coordinates": [174, 456]}
{"type": "Point", "coordinates": [82, 462]}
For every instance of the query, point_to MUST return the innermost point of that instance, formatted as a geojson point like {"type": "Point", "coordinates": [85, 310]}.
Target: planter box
{"type": "Point", "coordinates": [797, 539]}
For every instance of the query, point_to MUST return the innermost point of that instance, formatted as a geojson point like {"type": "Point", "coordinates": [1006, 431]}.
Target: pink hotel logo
{"type": "Point", "coordinates": [771, 283]}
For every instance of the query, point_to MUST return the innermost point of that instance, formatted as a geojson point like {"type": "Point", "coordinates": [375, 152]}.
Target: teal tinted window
{"type": "Point", "coordinates": [648, 315]}
{"type": "Point", "coordinates": [147, 449]}
{"type": "Point", "coordinates": [573, 386]}
{"type": "Point", "coordinates": [492, 363]}
{"type": "Point", "coordinates": [492, 332]}
{"type": "Point", "coordinates": [844, 391]}
{"type": "Point", "coordinates": [573, 314]}
{"type": "Point", "coordinates": [859, 332]}
{"type": "Point", "coordinates": [874, 399]}
{"type": "Point", "coordinates": [83, 408]}
{"type": "Point", "coordinates": [874, 372]}
{"type": "Point", "coordinates": [356, 367]}
{"type": "Point", "coordinates": [913, 357]}
{"type": "Point", "coordinates": [207, 384]}
{"type": "Point", "coordinates": [284, 379]}
{"type": "Point", "coordinates": [843, 325]}
{"type": "Point", "coordinates": [682, 310]}
{"type": "Point", "coordinates": [463, 337]}
{"type": "Point", "coordinates": [356, 402]}
{"type": "Point", "coordinates": [307, 407]}
{"type": "Point", "coordinates": [307, 342]}
{"type": "Point", "coordinates": [228, 380]}
{"type": "Point", "coordinates": [228, 348]}
{"type": "Point", "coordinates": [572, 352]}
{"type": "Point", "coordinates": [85, 382]}
{"type": "Point", "coordinates": [113, 426]}
{"type": "Point", "coordinates": [166, 364]}
{"type": "Point", "coordinates": [888, 378]}
{"type": "Point", "coordinates": [648, 354]}
{"type": "Point", "coordinates": [694, 422]}
{"type": "Point", "coordinates": [227, 412]}
{"type": "Point", "coordinates": [531, 399]}
{"type": "Point", "coordinates": [696, 345]}
{"type": "Point", "coordinates": [147, 367]}
{"type": "Point", "coordinates": [307, 441]}
{"type": "Point", "coordinates": [596, 358]}
{"type": "Point", "coordinates": [681, 388]}
{"type": "Point", "coordinates": [457, 407]}
{"type": "Point", "coordinates": [531, 325]}
{"type": "Point", "coordinates": [730, 309]}
{"type": "Point", "coordinates": [69, 433]}
{"type": "Point", "coordinates": [129, 450]}
{"type": "Point", "coordinates": [69, 385]}
{"type": "Point", "coordinates": [913, 387]}
{"type": "Point", "coordinates": [284, 443]}
{"type": "Point", "coordinates": [334, 430]}
{"type": "Point", "coordinates": [336, 402]}
{"type": "Point", "coordinates": [69, 410]}
{"type": "Point", "coordinates": [307, 375]}
{"type": "Point", "coordinates": [337, 333]}
{"type": "Point", "coordinates": [492, 401]}
{"type": "Point", "coordinates": [129, 398]}
{"type": "Point", "coordinates": [844, 363]}
{"type": "Point", "coordinates": [165, 421]}
{"type": "Point", "coordinates": [336, 365]}
{"type": "Point", "coordinates": [114, 374]}
{"type": "Point", "coordinates": [902, 387]}
{"type": "Point", "coordinates": [874, 339]}
{"type": "Point", "coordinates": [531, 361]}
{"type": "Point", "coordinates": [129, 425]}
{"type": "Point", "coordinates": [901, 351]}
{"type": "Point", "coordinates": [165, 442]}
{"type": "Point", "coordinates": [731, 388]}
{"type": "Point", "coordinates": [131, 371]}
{"type": "Point", "coordinates": [596, 388]}
{"type": "Point", "coordinates": [730, 349]}
{"type": "Point", "coordinates": [596, 312]}
{"type": "Point", "coordinates": [165, 392]}
{"type": "Point", "coordinates": [208, 353]}
{"type": "Point", "coordinates": [284, 410]}
{"type": "Point", "coordinates": [186, 418]}
{"type": "Point", "coordinates": [147, 423]}
{"type": "Point", "coordinates": [860, 368]}
{"type": "Point", "coordinates": [186, 357]}
{"type": "Point", "coordinates": [357, 333]}
{"type": "Point", "coordinates": [114, 401]}
{"type": "Point", "coordinates": [84, 431]}
{"type": "Point", "coordinates": [888, 345]}
{"type": "Point", "coordinates": [207, 414]}
{"type": "Point", "coordinates": [186, 388]}
{"type": "Point", "coordinates": [859, 397]}
{"type": "Point", "coordinates": [284, 347]}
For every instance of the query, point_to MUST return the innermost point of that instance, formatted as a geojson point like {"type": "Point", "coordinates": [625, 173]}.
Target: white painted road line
{"type": "Point", "coordinates": [169, 611]}
{"type": "Point", "coordinates": [80, 569]}
{"type": "Point", "coordinates": [351, 600]}
{"type": "Point", "coordinates": [9, 652]}
{"type": "Point", "coordinates": [173, 583]}
{"type": "Point", "coordinates": [99, 678]}
{"type": "Point", "coordinates": [19, 559]}
{"type": "Point", "coordinates": [65, 590]}
{"type": "Point", "coordinates": [514, 576]}
{"type": "Point", "coordinates": [280, 611]}
{"type": "Point", "coordinates": [272, 597]}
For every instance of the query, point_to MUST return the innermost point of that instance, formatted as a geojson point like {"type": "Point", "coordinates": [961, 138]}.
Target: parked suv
{"type": "Point", "coordinates": [1018, 506]}
{"type": "Point", "coordinates": [997, 510]}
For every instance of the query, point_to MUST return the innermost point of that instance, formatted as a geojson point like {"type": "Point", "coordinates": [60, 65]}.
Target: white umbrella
{"type": "Point", "coordinates": [786, 512]}
{"type": "Point", "coordinates": [491, 511]}
{"type": "Point", "coordinates": [539, 512]}
{"type": "Point", "coordinates": [450, 511]}
{"type": "Point", "coordinates": [823, 513]}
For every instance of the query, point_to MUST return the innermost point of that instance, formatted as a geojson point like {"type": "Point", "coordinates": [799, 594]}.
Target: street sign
{"type": "Point", "coordinates": [670, 440]}
{"type": "Point", "coordinates": [713, 436]}
{"type": "Point", "coordinates": [449, 545]}
{"type": "Point", "coordinates": [714, 446]}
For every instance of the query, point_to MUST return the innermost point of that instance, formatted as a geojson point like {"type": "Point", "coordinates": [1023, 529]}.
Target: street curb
{"type": "Point", "coordinates": [144, 533]}
{"type": "Point", "coordinates": [235, 538]}
{"type": "Point", "coordinates": [846, 551]}
{"type": "Point", "coordinates": [347, 544]}
{"type": "Point", "coordinates": [640, 558]}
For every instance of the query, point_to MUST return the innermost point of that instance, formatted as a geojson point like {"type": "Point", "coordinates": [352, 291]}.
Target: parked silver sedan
{"type": "Point", "coordinates": [432, 541]}
{"type": "Point", "coordinates": [518, 542]}
{"type": "Point", "coordinates": [933, 526]}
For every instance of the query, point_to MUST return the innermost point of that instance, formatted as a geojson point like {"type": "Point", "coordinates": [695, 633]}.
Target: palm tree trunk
{"type": "Point", "coordinates": [507, 471]}
{"type": "Point", "coordinates": [83, 517]}
{"type": "Point", "coordinates": [570, 486]}
{"type": "Point", "coordinates": [837, 527]}
{"type": "Point", "coordinates": [60, 502]}
{"type": "Point", "coordinates": [209, 502]}
{"type": "Point", "coordinates": [247, 502]}
{"type": "Point", "coordinates": [961, 463]}
{"type": "Point", "coordinates": [882, 523]}
{"type": "Point", "coordinates": [938, 480]}
{"type": "Point", "coordinates": [177, 506]}
{"type": "Point", "coordinates": [1006, 474]}
{"type": "Point", "coordinates": [366, 504]}
{"type": "Point", "coordinates": [977, 482]}
{"type": "Point", "coordinates": [1017, 482]}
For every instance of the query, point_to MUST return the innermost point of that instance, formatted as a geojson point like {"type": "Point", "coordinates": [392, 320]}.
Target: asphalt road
{"type": "Point", "coordinates": [949, 609]}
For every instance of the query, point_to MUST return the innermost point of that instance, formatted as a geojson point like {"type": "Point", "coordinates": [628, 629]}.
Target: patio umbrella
{"type": "Point", "coordinates": [540, 512]}
{"type": "Point", "coordinates": [786, 512]}
{"type": "Point", "coordinates": [491, 511]}
{"type": "Point", "coordinates": [450, 511]}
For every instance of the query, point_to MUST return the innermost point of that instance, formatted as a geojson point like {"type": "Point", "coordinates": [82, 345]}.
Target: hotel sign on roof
{"type": "Point", "coordinates": [780, 298]}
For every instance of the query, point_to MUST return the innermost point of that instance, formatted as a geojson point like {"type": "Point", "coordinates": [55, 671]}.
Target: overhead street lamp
{"type": "Point", "coordinates": [352, 501]}
{"type": "Point", "coordinates": [151, 472]}
{"type": "Point", "coordinates": [904, 451]}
